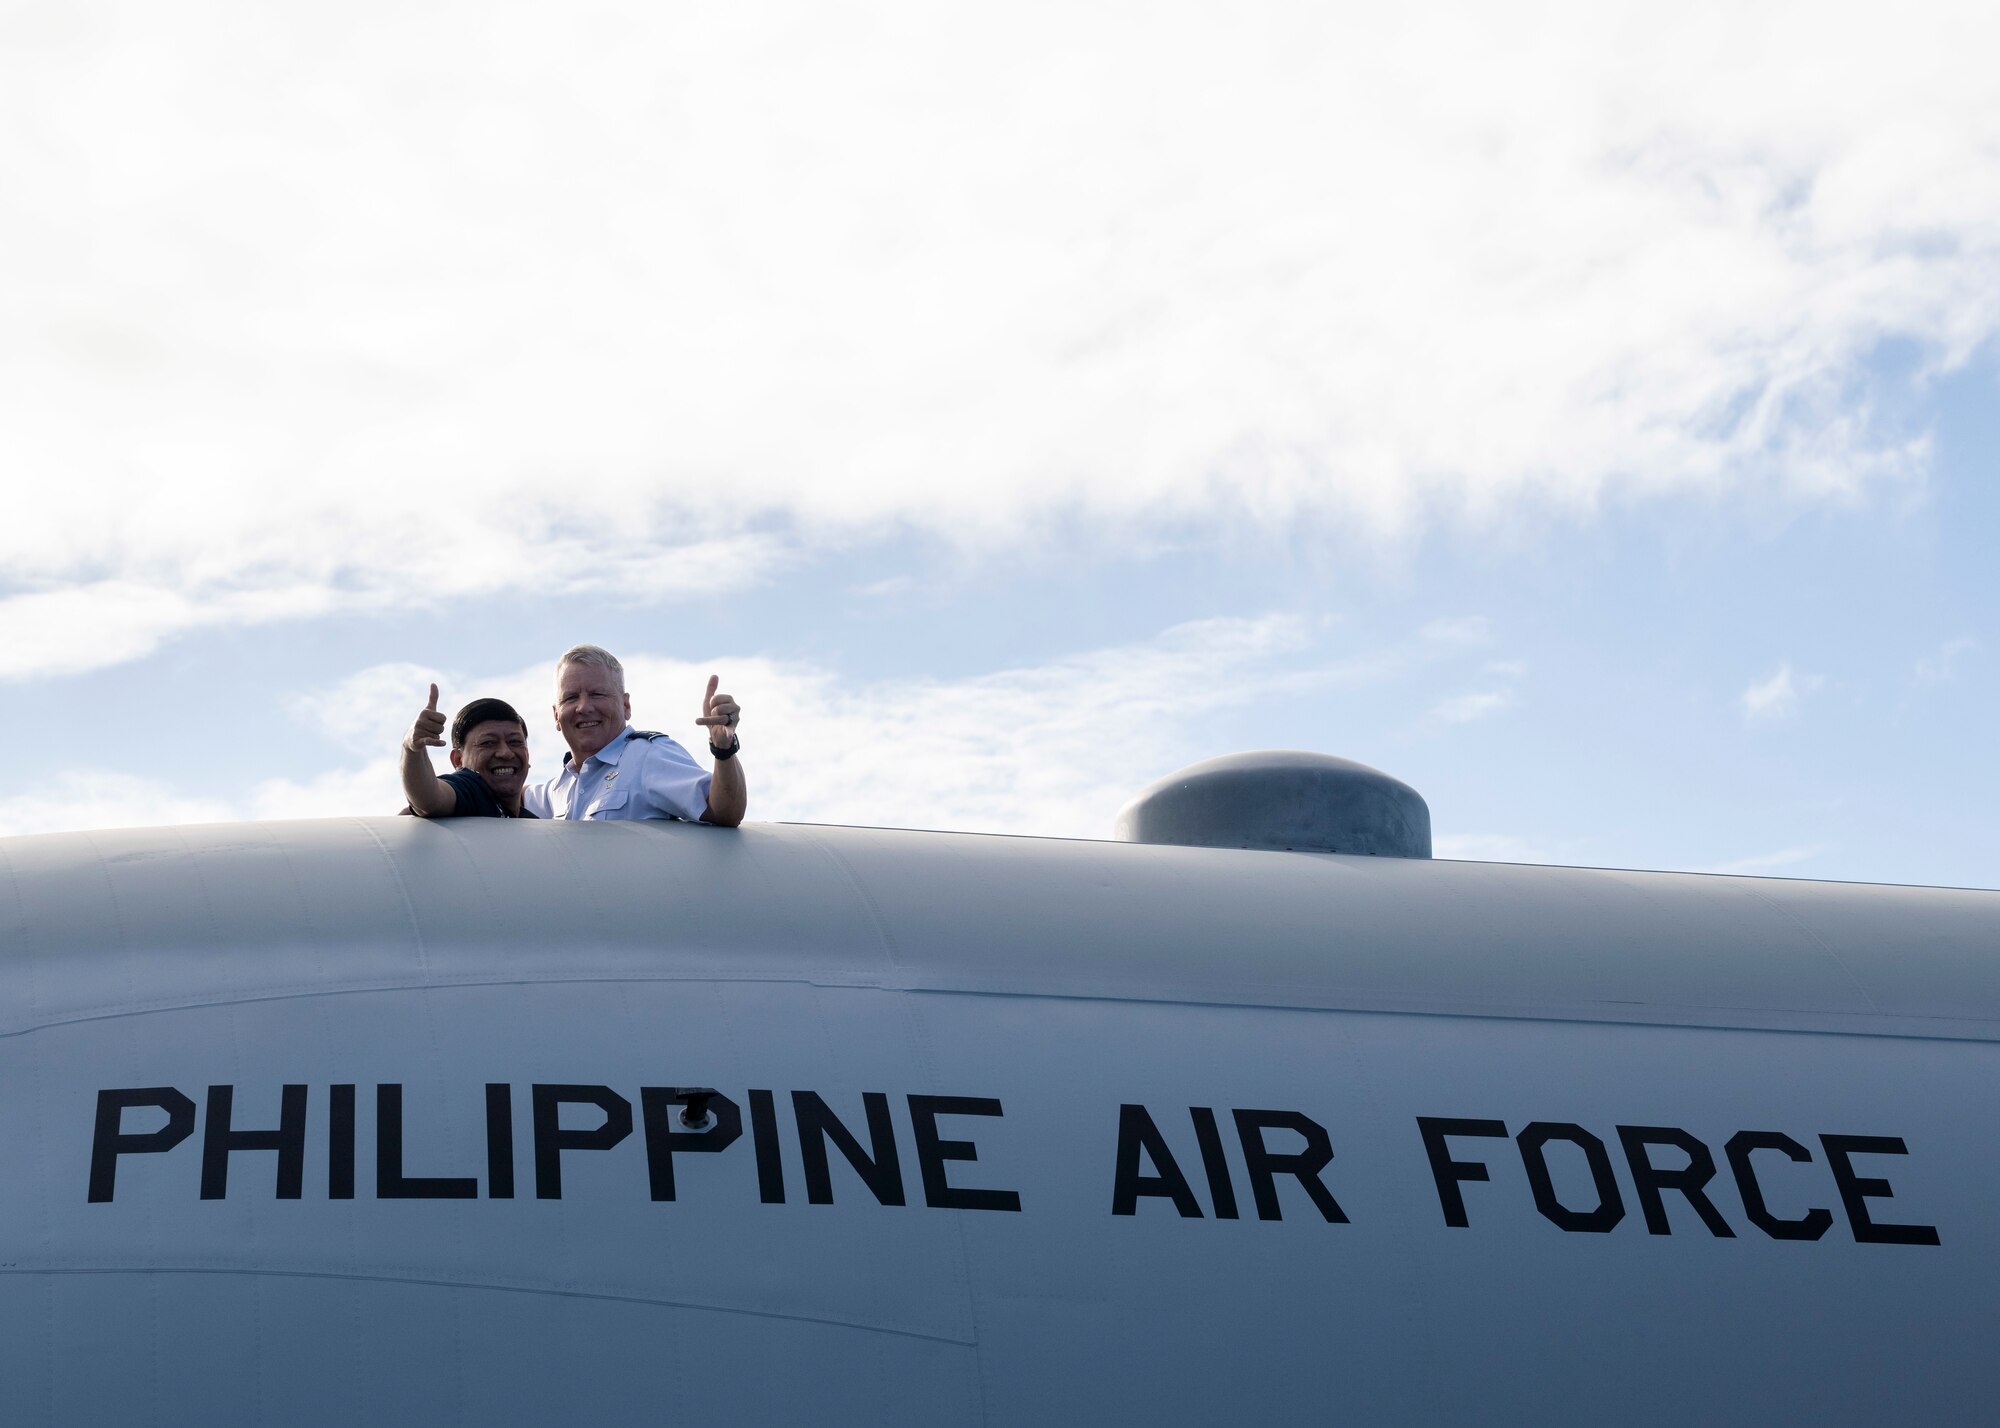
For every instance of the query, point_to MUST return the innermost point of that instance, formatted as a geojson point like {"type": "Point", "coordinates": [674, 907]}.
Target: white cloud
{"type": "Point", "coordinates": [1501, 677]}
{"type": "Point", "coordinates": [80, 627]}
{"type": "Point", "coordinates": [104, 800]}
{"type": "Point", "coordinates": [1015, 751]}
{"type": "Point", "coordinates": [1942, 667]}
{"type": "Point", "coordinates": [1465, 630]}
{"type": "Point", "coordinates": [1466, 708]}
{"type": "Point", "coordinates": [1770, 862]}
{"type": "Point", "coordinates": [73, 628]}
{"type": "Point", "coordinates": [1497, 848]}
{"type": "Point", "coordinates": [371, 788]}
{"type": "Point", "coordinates": [1510, 848]}
{"type": "Point", "coordinates": [424, 301]}
{"type": "Point", "coordinates": [1776, 698]}
{"type": "Point", "coordinates": [372, 709]}
{"type": "Point", "coordinates": [1054, 749]}
{"type": "Point", "coordinates": [1023, 751]}
{"type": "Point", "coordinates": [367, 714]}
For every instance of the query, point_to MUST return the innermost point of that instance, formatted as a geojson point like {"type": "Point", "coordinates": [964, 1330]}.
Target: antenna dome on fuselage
{"type": "Point", "coordinates": [1282, 799]}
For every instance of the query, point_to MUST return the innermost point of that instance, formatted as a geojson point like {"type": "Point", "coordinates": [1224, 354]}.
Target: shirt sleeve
{"type": "Point", "coordinates": [468, 802]}
{"type": "Point", "coordinates": [475, 799]}
{"type": "Point", "coordinates": [674, 785]}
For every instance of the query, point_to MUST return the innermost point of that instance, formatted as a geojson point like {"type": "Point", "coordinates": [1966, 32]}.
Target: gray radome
{"type": "Point", "coordinates": [1282, 799]}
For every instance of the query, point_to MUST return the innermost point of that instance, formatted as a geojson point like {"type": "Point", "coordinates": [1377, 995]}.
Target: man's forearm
{"type": "Point", "coordinates": [429, 795]}
{"type": "Point", "coordinates": [728, 794]}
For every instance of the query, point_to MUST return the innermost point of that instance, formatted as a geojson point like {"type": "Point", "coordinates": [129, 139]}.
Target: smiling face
{"type": "Point", "coordinates": [592, 707]}
{"type": "Point", "coordinates": [496, 750]}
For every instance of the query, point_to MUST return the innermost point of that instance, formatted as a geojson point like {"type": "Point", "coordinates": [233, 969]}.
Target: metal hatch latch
{"type": "Point", "coordinates": [694, 1107]}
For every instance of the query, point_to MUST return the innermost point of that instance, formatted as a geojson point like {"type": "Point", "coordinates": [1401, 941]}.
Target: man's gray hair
{"type": "Point", "coordinates": [594, 655]}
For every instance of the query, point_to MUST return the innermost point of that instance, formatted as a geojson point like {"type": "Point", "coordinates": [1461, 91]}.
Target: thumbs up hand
{"type": "Point", "coordinates": [428, 730]}
{"type": "Point", "coordinates": [719, 713]}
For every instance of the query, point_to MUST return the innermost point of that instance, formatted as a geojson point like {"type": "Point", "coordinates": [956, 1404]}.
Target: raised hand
{"type": "Point", "coordinates": [428, 731]}
{"type": "Point", "coordinates": [719, 712]}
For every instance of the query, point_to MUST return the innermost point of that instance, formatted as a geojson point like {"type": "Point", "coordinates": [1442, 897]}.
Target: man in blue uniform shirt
{"type": "Point", "coordinates": [489, 761]}
{"type": "Point", "coordinates": [615, 771]}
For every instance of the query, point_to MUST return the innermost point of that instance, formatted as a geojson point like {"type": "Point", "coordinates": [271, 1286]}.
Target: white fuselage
{"type": "Point", "coordinates": [382, 1121]}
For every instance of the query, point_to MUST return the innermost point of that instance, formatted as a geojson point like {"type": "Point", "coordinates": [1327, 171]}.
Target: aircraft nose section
{"type": "Point", "coordinates": [1282, 799]}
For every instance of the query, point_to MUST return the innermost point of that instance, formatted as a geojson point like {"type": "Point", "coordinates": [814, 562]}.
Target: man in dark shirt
{"type": "Point", "coordinates": [489, 760]}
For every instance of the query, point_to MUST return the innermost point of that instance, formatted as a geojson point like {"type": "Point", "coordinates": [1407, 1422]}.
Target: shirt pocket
{"type": "Point", "coordinates": [608, 805]}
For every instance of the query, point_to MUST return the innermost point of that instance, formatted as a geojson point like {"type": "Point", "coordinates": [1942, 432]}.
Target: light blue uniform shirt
{"type": "Point", "coordinates": [630, 777]}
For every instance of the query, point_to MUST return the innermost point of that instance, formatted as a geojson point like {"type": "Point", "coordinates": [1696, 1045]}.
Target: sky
{"type": "Point", "coordinates": [1585, 413]}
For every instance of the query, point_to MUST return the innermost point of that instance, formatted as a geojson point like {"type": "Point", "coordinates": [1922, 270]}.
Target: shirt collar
{"type": "Point", "coordinates": [609, 754]}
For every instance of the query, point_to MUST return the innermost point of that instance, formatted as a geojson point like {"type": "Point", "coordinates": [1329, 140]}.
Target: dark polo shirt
{"type": "Point", "coordinates": [475, 799]}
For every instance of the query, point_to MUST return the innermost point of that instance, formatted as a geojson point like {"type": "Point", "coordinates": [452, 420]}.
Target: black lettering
{"type": "Point", "coordinates": [1304, 1165]}
{"type": "Point", "coordinates": [1448, 1173]}
{"type": "Point", "coordinates": [108, 1142]}
{"type": "Point", "coordinates": [340, 1142]}
{"type": "Point", "coordinates": [551, 1140]}
{"type": "Point", "coordinates": [1610, 1204]}
{"type": "Point", "coordinates": [499, 1140]}
{"type": "Point", "coordinates": [656, 1107]}
{"type": "Point", "coordinates": [1857, 1190]}
{"type": "Point", "coordinates": [390, 1182]}
{"type": "Point", "coordinates": [764, 1139]}
{"type": "Point", "coordinates": [1811, 1225]}
{"type": "Point", "coordinates": [289, 1140]}
{"type": "Point", "coordinates": [1648, 1180]}
{"type": "Point", "coordinates": [881, 1172]}
{"type": "Point", "coordinates": [1214, 1164]}
{"type": "Point", "coordinates": [932, 1153]}
{"type": "Point", "coordinates": [1136, 1135]}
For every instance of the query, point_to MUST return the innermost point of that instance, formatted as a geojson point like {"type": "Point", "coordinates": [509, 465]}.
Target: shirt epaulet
{"type": "Point", "coordinates": [651, 734]}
